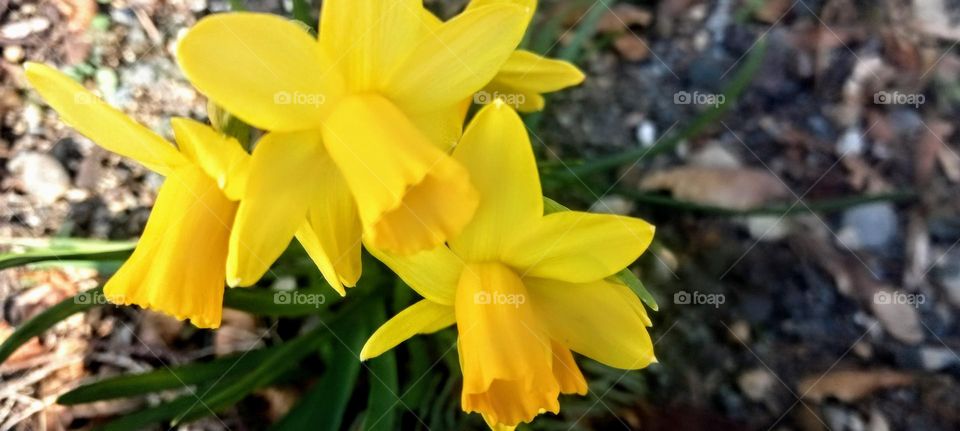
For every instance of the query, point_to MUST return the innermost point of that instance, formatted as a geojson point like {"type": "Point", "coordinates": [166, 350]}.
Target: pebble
{"type": "Point", "coordinates": [937, 358]}
{"type": "Point", "coordinates": [41, 176]}
{"type": "Point", "coordinates": [33, 118]}
{"type": "Point", "coordinates": [22, 29]}
{"type": "Point", "coordinates": [871, 226]}
{"type": "Point", "coordinates": [13, 53]}
{"type": "Point", "coordinates": [756, 384]}
{"type": "Point", "coordinates": [851, 142]}
{"type": "Point", "coordinates": [647, 133]}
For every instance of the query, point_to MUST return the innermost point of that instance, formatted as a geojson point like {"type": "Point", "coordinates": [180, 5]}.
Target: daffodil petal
{"type": "Point", "coordinates": [433, 274]}
{"type": "Point", "coordinates": [220, 156]}
{"type": "Point", "coordinates": [274, 206]}
{"type": "Point", "coordinates": [333, 236]}
{"type": "Point", "coordinates": [266, 70]}
{"type": "Point", "coordinates": [530, 6]}
{"type": "Point", "coordinates": [178, 265]}
{"type": "Point", "coordinates": [527, 71]}
{"type": "Point", "coordinates": [601, 320]}
{"type": "Point", "coordinates": [456, 60]}
{"type": "Point", "coordinates": [578, 247]}
{"type": "Point", "coordinates": [424, 317]}
{"type": "Point", "coordinates": [443, 128]}
{"type": "Point", "coordinates": [368, 37]}
{"type": "Point", "coordinates": [496, 151]}
{"type": "Point", "coordinates": [520, 99]}
{"type": "Point", "coordinates": [103, 124]}
{"type": "Point", "coordinates": [410, 195]}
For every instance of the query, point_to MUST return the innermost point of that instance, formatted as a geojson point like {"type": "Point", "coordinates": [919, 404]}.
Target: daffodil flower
{"type": "Point", "coordinates": [525, 76]}
{"type": "Point", "coordinates": [523, 288]}
{"type": "Point", "coordinates": [178, 266]}
{"type": "Point", "coordinates": [360, 122]}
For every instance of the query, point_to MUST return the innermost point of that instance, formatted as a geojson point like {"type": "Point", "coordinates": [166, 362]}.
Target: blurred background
{"type": "Point", "coordinates": [799, 158]}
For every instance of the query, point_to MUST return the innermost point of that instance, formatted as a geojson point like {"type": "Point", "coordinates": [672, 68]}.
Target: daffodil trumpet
{"type": "Point", "coordinates": [524, 289]}
{"type": "Point", "coordinates": [178, 266]}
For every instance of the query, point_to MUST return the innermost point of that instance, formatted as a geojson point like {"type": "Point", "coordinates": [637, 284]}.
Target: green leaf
{"type": "Point", "coordinates": [384, 386]}
{"type": "Point", "coordinates": [277, 303]}
{"type": "Point", "coordinates": [228, 389]}
{"type": "Point", "coordinates": [49, 317]}
{"type": "Point", "coordinates": [627, 277]}
{"type": "Point", "coordinates": [323, 406]}
{"type": "Point", "coordinates": [65, 250]}
{"type": "Point", "coordinates": [170, 378]}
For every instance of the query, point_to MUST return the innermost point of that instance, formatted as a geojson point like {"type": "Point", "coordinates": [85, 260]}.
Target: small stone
{"type": "Point", "coordinates": [32, 117]}
{"type": "Point", "coordinates": [40, 176]}
{"type": "Point", "coordinates": [756, 384]}
{"type": "Point", "coordinates": [851, 142]}
{"type": "Point", "coordinates": [612, 204]}
{"type": "Point", "coordinates": [872, 226]}
{"type": "Point", "coordinates": [937, 358]}
{"type": "Point", "coordinates": [22, 29]}
{"type": "Point", "coordinates": [647, 133]}
{"type": "Point", "coordinates": [13, 53]}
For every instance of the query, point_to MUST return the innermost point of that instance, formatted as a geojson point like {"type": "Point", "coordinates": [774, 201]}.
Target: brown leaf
{"type": "Point", "coordinates": [738, 189]}
{"type": "Point", "coordinates": [622, 17]}
{"type": "Point", "coordinates": [632, 47]}
{"type": "Point", "coordinates": [28, 350]}
{"type": "Point", "coordinates": [79, 13]}
{"type": "Point", "coordinates": [772, 11]}
{"type": "Point", "coordinates": [850, 386]}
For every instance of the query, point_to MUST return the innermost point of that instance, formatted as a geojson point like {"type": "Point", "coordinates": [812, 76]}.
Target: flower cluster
{"type": "Point", "coordinates": [363, 145]}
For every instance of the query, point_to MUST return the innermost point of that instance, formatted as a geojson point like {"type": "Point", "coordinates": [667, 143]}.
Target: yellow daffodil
{"type": "Point", "coordinates": [523, 289]}
{"type": "Point", "coordinates": [178, 266]}
{"type": "Point", "coordinates": [525, 76]}
{"type": "Point", "coordinates": [360, 121]}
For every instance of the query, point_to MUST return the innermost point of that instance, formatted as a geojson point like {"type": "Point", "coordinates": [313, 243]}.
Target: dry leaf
{"type": "Point", "coordinates": [896, 310]}
{"type": "Point", "coordinates": [28, 350]}
{"type": "Point", "coordinates": [772, 11]}
{"type": "Point", "coordinates": [850, 386]}
{"type": "Point", "coordinates": [737, 189]}
{"type": "Point", "coordinates": [622, 16]}
{"type": "Point", "coordinates": [79, 13]}
{"type": "Point", "coordinates": [632, 47]}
